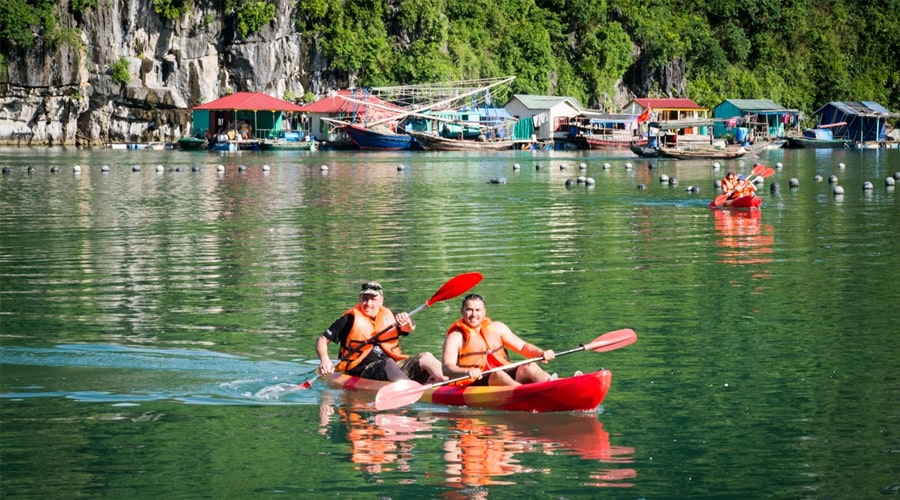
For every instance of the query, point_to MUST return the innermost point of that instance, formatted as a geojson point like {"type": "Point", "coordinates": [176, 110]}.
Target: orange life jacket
{"type": "Point", "coordinates": [360, 340]}
{"type": "Point", "coordinates": [728, 184]}
{"type": "Point", "coordinates": [481, 348]}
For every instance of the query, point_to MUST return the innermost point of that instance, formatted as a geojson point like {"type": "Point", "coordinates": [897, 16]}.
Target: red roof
{"type": "Point", "coordinates": [647, 102]}
{"type": "Point", "coordinates": [340, 103]}
{"type": "Point", "coordinates": [252, 101]}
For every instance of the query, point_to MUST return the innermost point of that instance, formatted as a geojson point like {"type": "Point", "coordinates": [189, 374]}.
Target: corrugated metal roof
{"type": "Point", "coordinates": [667, 103]}
{"type": "Point", "coordinates": [864, 108]}
{"type": "Point", "coordinates": [339, 103]}
{"type": "Point", "coordinates": [253, 101]}
{"type": "Point", "coordinates": [546, 101]}
{"type": "Point", "coordinates": [756, 105]}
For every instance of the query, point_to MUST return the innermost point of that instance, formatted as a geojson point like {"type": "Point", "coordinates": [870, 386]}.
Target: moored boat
{"type": "Point", "coordinates": [702, 153]}
{"type": "Point", "coordinates": [440, 143]}
{"type": "Point", "coordinates": [380, 138]}
{"type": "Point", "coordinates": [817, 138]}
{"type": "Point", "coordinates": [578, 393]}
{"type": "Point", "coordinates": [192, 143]}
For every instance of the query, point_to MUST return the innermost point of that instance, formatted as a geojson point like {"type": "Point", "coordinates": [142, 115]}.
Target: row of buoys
{"type": "Point", "coordinates": [137, 168]}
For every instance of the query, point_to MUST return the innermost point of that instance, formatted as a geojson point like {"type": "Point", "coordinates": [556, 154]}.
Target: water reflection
{"type": "Point", "coordinates": [742, 238]}
{"type": "Point", "coordinates": [476, 450]}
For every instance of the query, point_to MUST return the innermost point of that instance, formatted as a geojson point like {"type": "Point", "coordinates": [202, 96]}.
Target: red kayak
{"type": "Point", "coordinates": [749, 201]}
{"type": "Point", "coordinates": [581, 392]}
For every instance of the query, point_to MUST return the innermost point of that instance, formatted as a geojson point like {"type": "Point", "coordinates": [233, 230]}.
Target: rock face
{"type": "Point", "coordinates": [66, 95]}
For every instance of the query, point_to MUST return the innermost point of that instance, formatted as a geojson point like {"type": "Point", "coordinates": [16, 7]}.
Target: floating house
{"type": "Point", "coordinates": [679, 120]}
{"type": "Point", "coordinates": [243, 115]}
{"type": "Point", "coordinates": [748, 119]}
{"type": "Point", "coordinates": [860, 122]}
{"type": "Point", "coordinates": [543, 118]}
{"type": "Point", "coordinates": [467, 122]}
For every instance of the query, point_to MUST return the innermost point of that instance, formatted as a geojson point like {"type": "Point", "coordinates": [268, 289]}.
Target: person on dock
{"type": "Point", "coordinates": [475, 344]}
{"type": "Point", "coordinates": [369, 336]}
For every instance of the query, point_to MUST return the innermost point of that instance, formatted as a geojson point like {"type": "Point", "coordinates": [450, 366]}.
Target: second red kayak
{"type": "Point", "coordinates": [749, 201]}
{"type": "Point", "coordinates": [581, 392]}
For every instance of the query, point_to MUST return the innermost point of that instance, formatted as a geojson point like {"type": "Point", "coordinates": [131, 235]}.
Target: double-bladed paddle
{"type": "Point", "coordinates": [760, 170]}
{"type": "Point", "coordinates": [406, 392]}
{"type": "Point", "coordinates": [454, 287]}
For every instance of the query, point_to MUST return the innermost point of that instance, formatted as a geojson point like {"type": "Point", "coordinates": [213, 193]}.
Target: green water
{"type": "Point", "coordinates": [140, 311]}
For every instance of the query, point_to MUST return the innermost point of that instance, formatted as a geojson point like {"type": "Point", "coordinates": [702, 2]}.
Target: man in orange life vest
{"type": "Point", "coordinates": [369, 336]}
{"type": "Point", "coordinates": [474, 344]}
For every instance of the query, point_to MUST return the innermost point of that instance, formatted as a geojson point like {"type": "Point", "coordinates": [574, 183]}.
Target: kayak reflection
{"type": "Point", "coordinates": [743, 238]}
{"type": "Point", "coordinates": [476, 449]}
{"type": "Point", "coordinates": [483, 448]}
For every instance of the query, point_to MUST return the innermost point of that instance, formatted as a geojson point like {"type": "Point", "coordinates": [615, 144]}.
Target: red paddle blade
{"type": "Point", "coordinates": [397, 394]}
{"type": "Point", "coordinates": [758, 169]}
{"type": "Point", "coordinates": [612, 340]}
{"type": "Point", "coordinates": [456, 285]}
{"type": "Point", "coordinates": [721, 199]}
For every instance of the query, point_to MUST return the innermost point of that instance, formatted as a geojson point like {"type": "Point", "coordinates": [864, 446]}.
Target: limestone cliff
{"type": "Point", "coordinates": [65, 94]}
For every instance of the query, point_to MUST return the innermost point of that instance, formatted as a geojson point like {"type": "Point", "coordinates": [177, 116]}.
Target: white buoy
{"type": "Point", "coordinates": [104, 168]}
{"type": "Point", "coordinates": [716, 165]}
{"type": "Point", "coordinates": [842, 166]}
{"type": "Point", "coordinates": [628, 165]}
{"type": "Point", "coordinates": [220, 168]}
{"type": "Point", "coordinates": [606, 166]}
{"type": "Point", "coordinates": [779, 165]}
{"type": "Point", "coordinates": [265, 168]}
{"type": "Point", "coordinates": [324, 168]}
{"type": "Point", "coordinates": [516, 166]}
{"type": "Point", "coordinates": [589, 181]}
{"type": "Point", "coordinates": [160, 168]}
{"type": "Point", "coordinates": [582, 166]}
{"type": "Point", "coordinates": [76, 169]}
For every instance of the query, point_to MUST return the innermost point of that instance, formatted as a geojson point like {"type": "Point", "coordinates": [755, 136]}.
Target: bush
{"type": "Point", "coordinates": [119, 71]}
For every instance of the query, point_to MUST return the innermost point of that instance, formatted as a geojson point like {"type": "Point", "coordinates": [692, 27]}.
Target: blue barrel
{"type": "Point", "coordinates": [740, 134]}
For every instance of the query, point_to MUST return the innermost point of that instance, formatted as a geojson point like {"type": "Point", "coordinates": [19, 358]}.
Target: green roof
{"type": "Point", "coordinates": [546, 101]}
{"type": "Point", "coordinates": [756, 104]}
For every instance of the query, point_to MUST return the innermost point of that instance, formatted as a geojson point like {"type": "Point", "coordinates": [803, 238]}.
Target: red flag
{"type": "Point", "coordinates": [645, 116]}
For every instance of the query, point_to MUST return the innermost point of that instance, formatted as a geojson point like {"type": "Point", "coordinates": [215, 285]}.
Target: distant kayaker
{"type": "Point", "coordinates": [369, 336]}
{"type": "Point", "coordinates": [728, 182]}
{"type": "Point", "coordinates": [474, 344]}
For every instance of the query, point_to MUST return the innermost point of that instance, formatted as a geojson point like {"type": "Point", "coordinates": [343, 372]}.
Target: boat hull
{"type": "Point", "coordinates": [749, 201]}
{"type": "Point", "coordinates": [438, 143]}
{"type": "Point", "coordinates": [803, 142]}
{"type": "Point", "coordinates": [601, 142]}
{"type": "Point", "coordinates": [283, 145]}
{"type": "Point", "coordinates": [699, 154]}
{"type": "Point", "coordinates": [368, 139]}
{"type": "Point", "coordinates": [579, 393]}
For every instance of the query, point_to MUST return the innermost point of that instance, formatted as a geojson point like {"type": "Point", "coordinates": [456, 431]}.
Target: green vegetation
{"type": "Point", "coordinates": [251, 15]}
{"type": "Point", "coordinates": [119, 71]}
{"type": "Point", "coordinates": [801, 54]}
{"type": "Point", "coordinates": [172, 9]}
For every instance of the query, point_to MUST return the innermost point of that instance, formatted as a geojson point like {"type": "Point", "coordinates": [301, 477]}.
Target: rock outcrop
{"type": "Point", "coordinates": [67, 95]}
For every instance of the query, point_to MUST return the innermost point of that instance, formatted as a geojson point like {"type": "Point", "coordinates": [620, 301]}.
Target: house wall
{"type": "Point", "coordinates": [724, 110]}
